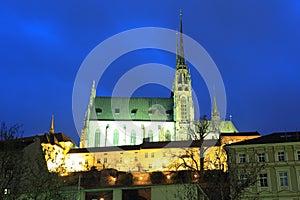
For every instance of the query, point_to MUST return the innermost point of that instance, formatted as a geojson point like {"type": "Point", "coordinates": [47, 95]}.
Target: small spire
{"type": "Point", "coordinates": [215, 108]}
{"type": "Point", "coordinates": [180, 61]}
{"type": "Point", "coordinates": [51, 130]}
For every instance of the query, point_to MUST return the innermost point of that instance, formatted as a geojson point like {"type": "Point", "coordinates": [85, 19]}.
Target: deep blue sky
{"type": "Point", "coordinates": [255, 45]}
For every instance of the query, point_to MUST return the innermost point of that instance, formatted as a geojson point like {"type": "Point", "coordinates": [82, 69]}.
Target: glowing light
{"type": "Point", "coordinates": [141, 178]}
{"type": "Point", "coordinates": [168, 176]}
{"type": "Point", "coordinates": [114, 179]}
{"type": "Point", "coordinates": [101, 199]}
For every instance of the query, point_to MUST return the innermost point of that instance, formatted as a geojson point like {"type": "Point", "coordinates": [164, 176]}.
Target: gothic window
{"type": "Point", "coordinates": [133, 137]}
{"type": "Point", "coordinates": [168, 136]}
{"type": "Point", "coordinates": [180, 78]}
{"type": "Point", "coordinates": [183, 108]}
{"type": "Point", "coordinates": [116, 137]}
{"type": "Point", "coordinates": [97, 137]}
{"type": "Point", "coordinates": [150, 135]}
{"type": "Point", "coordinates": [185, 80]}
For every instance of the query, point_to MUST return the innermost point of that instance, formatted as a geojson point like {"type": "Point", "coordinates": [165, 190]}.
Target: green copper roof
{"type": "Point", "coordinates": [228, 127]}
{"type": "Point", "coordinates": [133, 108]}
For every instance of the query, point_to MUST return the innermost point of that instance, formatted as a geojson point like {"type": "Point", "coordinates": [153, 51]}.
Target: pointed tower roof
{"type": "Point", "coordinates": [215, 111]}
{"type": "Point", "coordinates": [180, 55]}
{"type": "Point", "coordinates": [51, 130]}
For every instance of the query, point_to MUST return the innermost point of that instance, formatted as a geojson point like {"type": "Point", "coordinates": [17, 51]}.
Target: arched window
{"type": "Point", "coordinates": [183, 108]}
{"type": "Point", "coordinates": [150, 135]}
{"type": "Point", "coordinates": [116, 137]}
{"type": "Point", "coordinates": [97, 137]}
{"type": "Point", "coordinates": [167, 136]}
{"type": "Point", "coordinates": [133, 137]}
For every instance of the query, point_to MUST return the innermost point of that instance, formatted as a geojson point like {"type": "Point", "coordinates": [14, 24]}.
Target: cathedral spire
{"type": "Point", "coordinates": [51, 130]}
{"type": "Point", "coordinates": [180, 55]}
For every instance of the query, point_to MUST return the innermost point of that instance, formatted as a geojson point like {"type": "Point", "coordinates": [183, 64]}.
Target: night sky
{"type": "Point", "coordinates": [255, 45]}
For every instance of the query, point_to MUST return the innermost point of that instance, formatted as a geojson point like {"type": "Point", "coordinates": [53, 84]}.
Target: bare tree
{"type": "Point", "coordinates": [242, 175]}
{"type": "Point", "coordinates": [10, 155]}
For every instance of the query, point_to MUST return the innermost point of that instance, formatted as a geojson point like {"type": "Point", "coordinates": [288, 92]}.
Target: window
{"type": "Point", "coordinates": [133, 137]}
{"type": "Point", "coordinates": [281, 156]}
{"type": "Point", "coordinates": [146, 155]}
{"type": "Point", "coordinates": [97, 137]}
{"type": "Point", "coordinates": [243, 178]}
{"type": "Point", "coordinates": [283, 179]}
{"type": "Point", "coordinates": [242, 158]}
{"type": "Point", "coordinates": [8, 173]}
{"type": "Point", "coordinates": [98, 111]}
{"type": "Point", "coordinates": [263, 179]}
{"type": "Point", "coordinates": [152, 155]}
{"type": "Point", "coordinates": [261, 157]}
{"type": "Point", "coordinates": [183, 108]}
{"type": "Point", "coordinates": [120, 160]}
{"type": "Point", "coordinates": [135, 158]}
{"type": "Point", "coordinates": [6, 191]}
{"type": "Point", "coordinates": [298, 155]}
{"type": "Point", "coordinates": [98, 161]}
{"type": "Point", "coordinates": [133, 112]}
{"type": "Point", "coordinates": [164, 154]}
{"type": "Point", "coordinates": [117, 111]}
{"type": "Point", "coordinates": [105, 160]}
{"type": "Point", "coordinates": [150, 135]}
{"type": "Point", "coordinates": [168, 136]}
{"type": "Point", "coordinates": [116, 138]}
{"type": "Point", "coordinates": [150, 166]}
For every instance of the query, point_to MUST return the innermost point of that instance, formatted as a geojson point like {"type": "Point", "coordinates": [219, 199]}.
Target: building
{"type": "Point", "coordinates": [117, 121]}
{"type": "Point", "coordinates": [277, 158]}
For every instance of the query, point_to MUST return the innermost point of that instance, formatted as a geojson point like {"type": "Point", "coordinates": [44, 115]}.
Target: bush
{"type": "Point", "coordinates": [157, 178]}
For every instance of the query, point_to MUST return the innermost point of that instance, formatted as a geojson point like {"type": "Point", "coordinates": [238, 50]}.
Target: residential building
{"type": "Point", "coordinates": [277, 156]}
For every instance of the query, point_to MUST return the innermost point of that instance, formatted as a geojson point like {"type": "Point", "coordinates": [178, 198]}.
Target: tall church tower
{"type": "Point", "coordinates": [182, 93]}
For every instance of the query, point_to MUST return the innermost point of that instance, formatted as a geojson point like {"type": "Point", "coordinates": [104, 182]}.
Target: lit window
{"type": "Point", "coordinates": [146, 155]}
{"type": "Point", "coordinates": [97, 137]}
{"type": "Point", "coordinates": [150, 135]}
{"type": "Point", "coordinates": [263, 179]}
{"type": "Point", "coordinates": [6, 191]}
{"type": "Point", "coordinates": [133, 137]}
{"type": "Point", "coordinates": [242, 158]}
{"type": "Point", "coordinates": [116, 138]}
{"type": "Point", "coordinates": [281, 156]}
{"type": "Point", "coordinates": [283, 178]}
{"type": "Point", "coordinates": [261, 157]}
{"type": "Point", "coordinates": [183, 108]}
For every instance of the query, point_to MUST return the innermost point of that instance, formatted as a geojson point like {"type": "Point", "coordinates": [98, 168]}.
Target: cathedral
{"type": "Point", "coordinates": [118, 121]}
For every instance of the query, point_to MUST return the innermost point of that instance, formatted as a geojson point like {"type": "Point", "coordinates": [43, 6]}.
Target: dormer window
{"type": "Point", "coordinates": [98, 111]}
{"type": "Point", "coordinates": [133, 111]}
{"type": "Point", "coordinates": [150, 112]}
{"type": "Point", "coordinates": [117, 111]}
